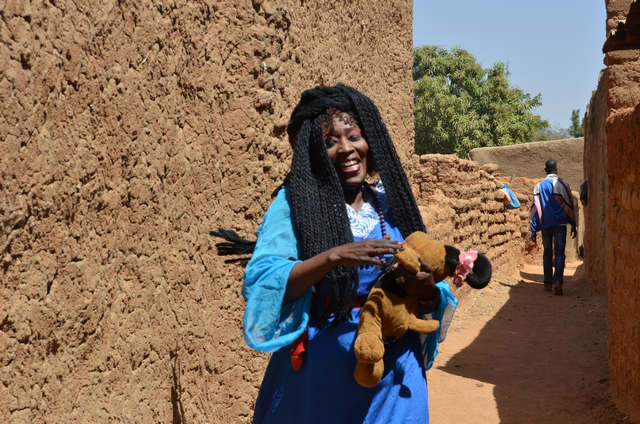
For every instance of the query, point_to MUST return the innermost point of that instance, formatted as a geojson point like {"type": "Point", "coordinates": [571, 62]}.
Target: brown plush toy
{"type": "Point", "coordinates": [389, 312]}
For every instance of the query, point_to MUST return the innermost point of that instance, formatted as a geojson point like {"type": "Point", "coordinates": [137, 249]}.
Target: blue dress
{"type": "Point", "coordinates": [324, 389]}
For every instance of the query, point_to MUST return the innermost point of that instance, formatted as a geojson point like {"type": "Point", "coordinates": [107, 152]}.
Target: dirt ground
{"type": "Point", "coordinates": [517, 354]}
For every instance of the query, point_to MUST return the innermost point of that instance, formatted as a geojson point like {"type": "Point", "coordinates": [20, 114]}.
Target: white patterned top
{"type": "Point", "coordinates": [363, 222]}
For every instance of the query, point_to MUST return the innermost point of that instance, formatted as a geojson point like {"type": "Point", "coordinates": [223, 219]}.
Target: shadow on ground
{"type": "Point", "coordinates": [545, 354]}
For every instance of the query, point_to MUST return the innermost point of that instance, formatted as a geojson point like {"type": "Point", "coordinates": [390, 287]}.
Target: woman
{"type": "Point", "coordinates": [315, 261]}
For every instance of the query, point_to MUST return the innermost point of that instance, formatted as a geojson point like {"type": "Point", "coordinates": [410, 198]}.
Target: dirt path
{"type": "Point", "coordinates": [517, 354]}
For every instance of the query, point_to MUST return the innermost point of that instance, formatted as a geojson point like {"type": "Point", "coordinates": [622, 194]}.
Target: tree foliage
{"type": "Point", "coordinates": [552, 132]}
{"type": "Point", "coordinates": [576, 129]}
{"type": "Point", "coordinates": [459, 106]}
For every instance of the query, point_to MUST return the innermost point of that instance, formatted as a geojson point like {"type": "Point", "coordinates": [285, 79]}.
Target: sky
{"type": "Point", "coordinates": [553, 47]}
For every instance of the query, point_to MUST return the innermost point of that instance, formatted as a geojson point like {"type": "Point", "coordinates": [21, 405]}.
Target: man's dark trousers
{"type": "Point", "coordinates": [554, 238]}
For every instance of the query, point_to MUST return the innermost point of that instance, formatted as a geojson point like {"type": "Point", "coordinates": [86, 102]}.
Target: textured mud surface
{"type": "Point", "coordinates": [129, 130]}
{"type": "Point", "coordinates": [461, 205]}
{"type": "Point", "coordinates": [595, 213]}
{"type": "Point", "coordinates": [620, 205]}
{"type": "Point", "coordinates": [528, 159]}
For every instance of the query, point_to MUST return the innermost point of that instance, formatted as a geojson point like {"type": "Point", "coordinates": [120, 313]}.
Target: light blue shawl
{"type": "Point", "coordinates": [268, 325]}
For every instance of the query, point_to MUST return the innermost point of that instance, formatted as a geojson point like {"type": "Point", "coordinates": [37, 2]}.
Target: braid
{"type": "Point", "coordinates": [319, 211]}
{"type": "Point", "coordinates": [317, 200]}
{"type": "Point", "coordinates": [403, 204]}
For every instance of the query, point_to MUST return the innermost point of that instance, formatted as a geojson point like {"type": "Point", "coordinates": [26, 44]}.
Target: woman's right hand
{"type": "Point", "coordinates": [365, 252]}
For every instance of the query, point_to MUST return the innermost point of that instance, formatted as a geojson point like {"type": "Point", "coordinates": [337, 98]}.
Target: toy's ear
{"type": "Point", "coordinates": [451, 259]}
{"type": "Point", "coordinates": [481, 274]}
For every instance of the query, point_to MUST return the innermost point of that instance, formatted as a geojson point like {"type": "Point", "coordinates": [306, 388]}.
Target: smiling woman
{"type": "Point", "coordinates": [315, 262]}
{"type": "Point", "coordinates": [348, 151]}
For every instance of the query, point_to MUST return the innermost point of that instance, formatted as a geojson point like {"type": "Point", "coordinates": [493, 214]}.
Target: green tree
{"type": "Point", "coordinates": [576, 129]}
{"type": "Point", "coordinates": [459, 106]}
{"type": "Point", "coordinates": [553, 132]}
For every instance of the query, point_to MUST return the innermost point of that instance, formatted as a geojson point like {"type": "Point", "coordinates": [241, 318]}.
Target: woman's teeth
{"type": "Point", "coordinates": [350, 166]}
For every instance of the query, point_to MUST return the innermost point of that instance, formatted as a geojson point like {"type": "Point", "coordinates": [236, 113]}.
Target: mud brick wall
{"type": "Point", "coordinates": [128, 130]}
{"type": "Point", "coordinates": [623, 230]}
{"type": "Point", "coordinates": [622, 127]}
{"type": "Point", "coordinates": [462, 206]}
{"type": "Point", "coordinates": [528, 159]}
{"type": "Point", "coordinates": [595, 213]}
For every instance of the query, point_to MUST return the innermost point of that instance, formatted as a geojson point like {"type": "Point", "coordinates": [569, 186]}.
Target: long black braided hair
{"type": "Point", "coordinates": [317, 200]}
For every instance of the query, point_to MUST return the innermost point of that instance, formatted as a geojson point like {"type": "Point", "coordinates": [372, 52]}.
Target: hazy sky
{"type": "Point", "coordinates": [553, 47]}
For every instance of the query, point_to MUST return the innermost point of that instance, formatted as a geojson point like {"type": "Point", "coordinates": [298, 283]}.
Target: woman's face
{"type": "Point", "coordinates": [347, 149]}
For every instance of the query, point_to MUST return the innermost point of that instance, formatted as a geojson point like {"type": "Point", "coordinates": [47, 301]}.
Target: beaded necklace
{"type": "Point", "coordinates": [379, 210]}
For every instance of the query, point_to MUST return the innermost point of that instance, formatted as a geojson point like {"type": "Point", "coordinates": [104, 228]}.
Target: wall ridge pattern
{"type": "Point", "coordinates": [462, 206]}
{"type": "Point", "coordinates": [128, 131]}
{"type": "Point", "coordinates": [616, 190]}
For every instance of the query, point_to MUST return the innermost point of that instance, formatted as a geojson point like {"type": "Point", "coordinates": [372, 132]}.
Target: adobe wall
{"type": "Point", "coordinates": [623, 209]}
{"type": "Point", "coordinates": [528, 159]}
{"type": "Point", "coordinates": [127, 131]}
{"type": "Point", "coordinates": [623, 232]}
{"type": "Point", "coordinates": [462, 206]}
{"type": "Point", "coordinates": [595, 170]}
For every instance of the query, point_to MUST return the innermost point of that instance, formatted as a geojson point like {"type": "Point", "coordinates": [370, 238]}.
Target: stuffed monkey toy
{"type": "Point", "coordinates": [389, 312]}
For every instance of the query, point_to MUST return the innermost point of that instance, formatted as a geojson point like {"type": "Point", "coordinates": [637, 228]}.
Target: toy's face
{"type": "Point", "coordinates": [431, 251]}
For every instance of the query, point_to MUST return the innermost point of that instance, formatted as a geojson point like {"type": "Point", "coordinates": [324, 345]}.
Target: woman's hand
{"type": "Point", "coordinates": [365, 252]}
{"type": "Point", "coordinates": [421, 283]}
{"type": "Point", "coordinates": [307, 273]}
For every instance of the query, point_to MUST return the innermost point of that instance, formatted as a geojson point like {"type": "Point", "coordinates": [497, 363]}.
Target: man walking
{"type": "Point", "coordinates": [551, 211]}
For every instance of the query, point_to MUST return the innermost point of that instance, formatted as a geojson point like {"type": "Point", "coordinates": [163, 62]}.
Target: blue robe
{"type": "Point", "coordinates": [324, 389]}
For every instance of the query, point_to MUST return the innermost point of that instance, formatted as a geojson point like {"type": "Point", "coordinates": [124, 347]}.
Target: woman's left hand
{"type": "Point", "coordinates": [421, 283]}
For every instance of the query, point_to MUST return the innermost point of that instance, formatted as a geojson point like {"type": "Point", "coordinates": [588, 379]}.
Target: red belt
{"type": "Point", "coordinates": [302, 342]}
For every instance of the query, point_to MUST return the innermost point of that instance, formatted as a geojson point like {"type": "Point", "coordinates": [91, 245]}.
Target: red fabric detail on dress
{"type": "Point", "coordinates": [299, 346]}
